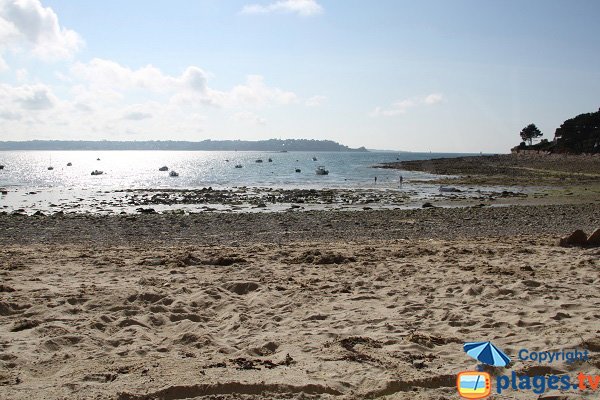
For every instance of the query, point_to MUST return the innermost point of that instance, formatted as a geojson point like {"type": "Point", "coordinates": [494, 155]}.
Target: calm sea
{"type": "Point", "coordinates": [140, 169]}
{"type": "Point", "coordinates": [29, 185]}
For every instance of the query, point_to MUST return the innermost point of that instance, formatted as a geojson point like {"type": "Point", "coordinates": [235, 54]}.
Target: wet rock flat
{"type": "Point", "coordinates": [509, 169]}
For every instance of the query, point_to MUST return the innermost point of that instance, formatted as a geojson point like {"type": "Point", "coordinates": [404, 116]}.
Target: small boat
{"type": "Point", "coordinates": [258, 161]}
{"type": "Point", "coordinates": [238, 165]}
{"type": "Point", "coordinates": [98, 159]}
{"type": "Point", "coordinates": [321, 170]}
{"type": "Point", "coordinates": [50, 168]}
{"type": "Point", "coordinates": [96, 172]}
{"type": "Point", "coordinates": [1, 166]}
{"type": "Point", "coordinates": [173, 174]}
{"type": "Point", "coordinates": [314, 158]}
{"type": "Point", "coordinates": [165, 168]}
{"type": "Point", "coordinates": [270, 160]}
{"type": "Point", "coordinates": [69, 164]}
{"type": "Point", "coordinates": [298, 170]}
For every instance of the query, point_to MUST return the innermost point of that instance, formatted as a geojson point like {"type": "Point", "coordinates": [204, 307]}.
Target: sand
{"type": "Point", "coordinates": [331, 305]}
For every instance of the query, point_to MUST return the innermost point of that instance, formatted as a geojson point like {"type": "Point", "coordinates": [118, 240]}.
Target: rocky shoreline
{"type": "Point", "coordinates": [511, 169]}
{"type": "Point", "coordinates": [239, 200]}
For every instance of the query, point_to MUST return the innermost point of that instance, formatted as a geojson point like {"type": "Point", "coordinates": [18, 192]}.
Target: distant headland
{"type": "Point", "coordinates": [205, 145]}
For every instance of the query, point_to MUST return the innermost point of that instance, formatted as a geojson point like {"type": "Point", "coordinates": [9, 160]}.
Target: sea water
{"type": "Point", "coordinates": [139, 169]}
{"type": "Point", "coordinates": [32, 186]}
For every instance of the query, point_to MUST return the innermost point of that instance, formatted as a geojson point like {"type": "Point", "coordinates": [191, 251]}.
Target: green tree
{"type": "Point", "coordinates": [530, 132]}
{"type": "Point", "coordinates": [580, 134]}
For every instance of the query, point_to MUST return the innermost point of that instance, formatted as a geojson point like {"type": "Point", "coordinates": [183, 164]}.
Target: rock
{"type": "Point", "coordinates": [6, 289]}
{"type": "Point", "coordinates": [594, 239]}
{"type": "Point", "coordinates": [427, 205]}
{"type": "Point", "coordinates": [577, 238]}
{"type": "Point", "coordinates": [146, 210]}
{"type": "Point", "coordinates": [241, 287]}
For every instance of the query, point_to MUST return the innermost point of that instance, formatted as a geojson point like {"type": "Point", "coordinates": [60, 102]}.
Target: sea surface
{"type": "Point", "coordinates": [196, 169]}
{"type": "Point", "coordinates": [30, 186]}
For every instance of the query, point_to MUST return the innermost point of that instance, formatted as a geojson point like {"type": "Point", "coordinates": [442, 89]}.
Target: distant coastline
{"type": "Point", "coordinates": [205, 145]}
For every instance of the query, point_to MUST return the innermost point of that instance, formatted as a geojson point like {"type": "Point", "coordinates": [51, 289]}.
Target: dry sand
{"type": "Point", "coordinates": [328, 305]}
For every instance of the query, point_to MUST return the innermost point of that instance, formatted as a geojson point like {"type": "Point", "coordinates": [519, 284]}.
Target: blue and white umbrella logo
{"type": "Point", "coordinates": [487, 353]}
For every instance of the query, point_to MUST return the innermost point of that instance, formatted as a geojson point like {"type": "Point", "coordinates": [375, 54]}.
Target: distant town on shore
{"type": "Point", "coordinates": [206, 145]}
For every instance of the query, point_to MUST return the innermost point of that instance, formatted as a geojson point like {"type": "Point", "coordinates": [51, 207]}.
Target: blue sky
{"type": "Point", "coordinates": [391, 74]}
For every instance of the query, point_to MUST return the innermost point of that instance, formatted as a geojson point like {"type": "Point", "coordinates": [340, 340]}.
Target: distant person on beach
{"type": "Point", "coordinates": [375, 179]}
{"type": "Point", "coordinates": [401, 179]}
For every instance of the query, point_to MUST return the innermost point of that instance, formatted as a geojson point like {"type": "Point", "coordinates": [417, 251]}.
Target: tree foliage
{"type": "Point", "coordinates": [530, 132]}
{"type": "Point", "coordinates": [580, 134]}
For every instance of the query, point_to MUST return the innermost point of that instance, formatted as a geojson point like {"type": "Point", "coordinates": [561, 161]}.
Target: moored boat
{"type": "Point", "coordinates": [321, 170]}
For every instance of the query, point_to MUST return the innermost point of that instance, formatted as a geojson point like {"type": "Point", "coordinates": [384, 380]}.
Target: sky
{"type": "Point", "coordinates": [428, 75]}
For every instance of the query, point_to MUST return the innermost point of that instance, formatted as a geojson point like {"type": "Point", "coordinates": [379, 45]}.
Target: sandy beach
{"type": "Point", "coordinates": [299, 200]}
{"type": "Point", "coordinates": [332, 305]}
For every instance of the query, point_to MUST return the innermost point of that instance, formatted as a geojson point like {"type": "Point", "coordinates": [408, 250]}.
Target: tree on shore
{"type": "Point", "coordinates": [530, 132]}
{"type": "Point", "coordinates": [580, 134]}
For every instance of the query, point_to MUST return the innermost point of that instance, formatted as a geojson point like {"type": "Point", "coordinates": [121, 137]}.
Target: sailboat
{"type": "Point", "coordinates": [50, 168]}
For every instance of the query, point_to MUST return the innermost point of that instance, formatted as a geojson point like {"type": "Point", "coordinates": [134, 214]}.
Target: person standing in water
{"type": "Point", "coordinates": [375, 179]}
{"type": "Point", "coordinates": [401, 180]}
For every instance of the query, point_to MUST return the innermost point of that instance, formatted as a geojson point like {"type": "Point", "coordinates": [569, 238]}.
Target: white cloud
{"type": "Point", "coordinates": [249, 118]}
{"type": "Point", "coordinates": [10, 116]}
{"type": "Point", "coordinates": [315, 101]}
{"type": "Point", "coordinates": [303, 8]}
{"type": "Point", "coordinates": [434, 98]}
{"type": "Point", "coordinates": [137, 115]}
{"type": "Point", "coordinates": [142, 111]}
{"type": "Point", "coordinates": [22, 75]}
{"type": "Point", "coordinates": [27, 23]}
{"type": "Point", "coordinates": [191, 87]}
{"type": "Point", "coordinates": [256, 93]}
{"type": "Point", "coordinates": [402, 106]}
{"type": "Point", "coordinates": [104, 74]}
{"type": "Point", "coordinates": [26, 97]}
